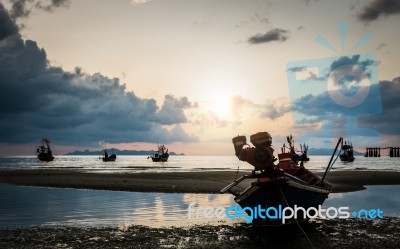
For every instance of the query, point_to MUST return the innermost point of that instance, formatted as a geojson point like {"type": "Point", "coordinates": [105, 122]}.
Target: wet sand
{"type": "Point", "coordinates": [176, 182]}
{"type": "Point", "coordinates": [344, 233]}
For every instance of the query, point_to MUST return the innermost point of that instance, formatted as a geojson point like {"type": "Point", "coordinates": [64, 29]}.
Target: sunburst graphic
{"type": "Point", "coordinates": [343, 26]}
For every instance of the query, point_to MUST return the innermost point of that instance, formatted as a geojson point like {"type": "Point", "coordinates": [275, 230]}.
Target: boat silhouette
{"type": "Point", "coordinates": [44, 152]}
{"type": "Point", "coordinates": [286, 184]}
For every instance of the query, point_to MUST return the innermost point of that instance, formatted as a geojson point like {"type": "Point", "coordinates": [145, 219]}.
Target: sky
{"type": "Point", "coordinates": [194, 74]}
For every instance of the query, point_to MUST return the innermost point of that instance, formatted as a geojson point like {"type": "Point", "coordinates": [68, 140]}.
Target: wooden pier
{"type": "Point", "coordinates": [376, 151]}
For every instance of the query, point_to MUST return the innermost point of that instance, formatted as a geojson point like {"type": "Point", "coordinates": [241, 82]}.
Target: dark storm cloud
{"type": "Point", "coordinates": [315, 105]}
{"type": "Point", "coordinates": [321, 108]}
{"type": "Point", "coordinates": [378, 8]}
{"type": "Point", "coordinates": [354, 60]}
{"type": "Point", "coordinates": [38, 100]}
{"type": "Point", "coordinates": [7, 26]}
{"type": "Point", "coordinates": [388, 122]}
{"type": "Point", "coordinates": [272, 35]}
{"type": "Point", "coordinates": [23, 8]}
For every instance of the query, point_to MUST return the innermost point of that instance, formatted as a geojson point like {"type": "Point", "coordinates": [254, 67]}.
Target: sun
{"type": "Point", "coordinates": [219, 105]}
{"type": "Point", "coordinates": [215, 96]}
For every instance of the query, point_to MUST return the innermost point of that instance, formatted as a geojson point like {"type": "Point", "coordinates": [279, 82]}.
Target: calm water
{"type": "Point", "coordinates": [27, 206]}
{"type": "Point", "coordinates": [183, 163]}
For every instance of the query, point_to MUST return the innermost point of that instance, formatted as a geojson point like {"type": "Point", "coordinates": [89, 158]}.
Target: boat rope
{"type": "Point", "coordinates": [336, 157]}
{"type": "Point", "coordinates": [305, 234]}
{"type": "Point", "coordinates": [237, 171]}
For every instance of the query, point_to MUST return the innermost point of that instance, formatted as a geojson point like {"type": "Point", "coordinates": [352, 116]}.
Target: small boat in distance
{"type": "Point", "coordinates": [347, 155]}
{"type": "Point", "coordinates": [161, 155]}
{"type": "Point", "coordinates": [277, 186]}
{"type": "Point", "coordinates": [44, 152]}
{"type": "Point", "coordinates": [108, 158]}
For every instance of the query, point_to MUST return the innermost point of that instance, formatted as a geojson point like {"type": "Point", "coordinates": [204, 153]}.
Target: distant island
{"type": "Point", "coordinates": [118, 152]}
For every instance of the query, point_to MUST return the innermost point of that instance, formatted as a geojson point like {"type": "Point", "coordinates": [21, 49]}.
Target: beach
{"type": "Point", "coordinates": [348, 233]}
{"type": "Point", "coordinates": [177, 182]}
{"type": "Point", "coordinates": [329, 233]}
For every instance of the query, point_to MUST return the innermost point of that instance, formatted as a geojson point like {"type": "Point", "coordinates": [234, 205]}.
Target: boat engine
{"type": "Point", "coordinates": [261, 157]}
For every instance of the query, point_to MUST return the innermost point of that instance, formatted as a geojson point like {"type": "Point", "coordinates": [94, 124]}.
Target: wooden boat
{"type": "Point", "coordinates": [347, 155]}
{"type": "Point", "coordinates": [161, 155]}
{"type": "Point", "coordinates": [108, 158]}
{"type": "Point", "coordinates": [43, 151]}
{"type": "Point", "coordinates": [304, 150]}
{"type": "Point", "coordinates": [303, 157]}
{"type": "Point", "coordinates": [285, 184]}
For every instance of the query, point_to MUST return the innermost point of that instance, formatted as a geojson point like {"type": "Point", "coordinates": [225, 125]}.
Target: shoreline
{"type": "Point", "coordinates": [208, 182]}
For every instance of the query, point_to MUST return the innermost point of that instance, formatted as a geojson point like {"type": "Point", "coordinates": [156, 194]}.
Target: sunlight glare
{"type": "Point", "coordinates": [219, 105]}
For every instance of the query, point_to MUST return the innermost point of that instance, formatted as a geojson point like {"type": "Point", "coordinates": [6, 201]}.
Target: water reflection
{"type": "Point", "coordinates": [26, 206]}
{"type": "Point", "coordinates": [383, 197]}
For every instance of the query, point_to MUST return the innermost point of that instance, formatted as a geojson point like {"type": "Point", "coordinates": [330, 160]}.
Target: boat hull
{"type": "Point", "coordinates": [45, 157]}
{"type": "Point", "coordinates": [159, 159]}
{"type": "Point", "coordinates": [111, 158]}
{"type": "Point", "coordinates": [279, 194]}
{"type": "Point", "coordinates": [345, 158]}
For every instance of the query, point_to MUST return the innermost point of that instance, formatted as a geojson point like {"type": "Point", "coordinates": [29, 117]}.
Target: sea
{"type": "Point", "coordinates": [138, 164]}
{"type": "Point", "coordinates": [25, 206]}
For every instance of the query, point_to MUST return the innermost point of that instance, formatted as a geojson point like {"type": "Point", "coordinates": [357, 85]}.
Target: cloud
{"type": "Point", "coordinates": [388, 122]}
{"type": "Point", "coordinates": [381, 46]}
{"type": "Point", "coordinates": [272, 110]}
{"type": "Point", "coordinates": [379, 8]}
{"type": "Point", "coordinates": [23, 8]}
{"type": "Point", "coordinates": [172, 110]}
{"type": "Point", "coordinates": [354, 60]}
{"type": "Point", "coordinates": [272, 35]}
{"type": "Point", "coordinates": [137, 2]}
{"type": "Point", "coordinates": [320, 112]}
{"type": "Point", "coordinates": [209, 119]}
{"type": "Point", "coordinates": [7, 26]}
{"type": "Point", "coordinates": [275, 110]}
{"type": "Point", "coordinates": [37, 99]}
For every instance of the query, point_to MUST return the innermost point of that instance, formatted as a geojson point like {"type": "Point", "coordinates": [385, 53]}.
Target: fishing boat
{"type": "Point", "coordinates": [347, 152]}
{"type": "Point", "coordinates": [43, 151]}
{"type": "Point", "coordinates": [161, 155]}
{"type": "Point", "coordinates": [276, 186]}
{"type": "Point", "coordinates": [293, 151]}
{"type": "Point", "coordinates": [107, 158]}
{"type": "Point", "coordinates": [304, 149]}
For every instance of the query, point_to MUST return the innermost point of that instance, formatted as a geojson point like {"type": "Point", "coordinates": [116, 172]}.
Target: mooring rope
{"type": "Point", "coordinates": [237, 170]}
{"type": "Point", "coordinates": [309, 241]}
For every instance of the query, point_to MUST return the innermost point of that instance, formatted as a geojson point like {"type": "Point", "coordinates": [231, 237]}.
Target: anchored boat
{"type": "Point", "coordinates": [347, 155]}
{"type": "Point", "coordinates": [44, 152]}
{"type": "Point", "coordinates": [275, 187]}
{"type": "Point", "coordinates": [161, 155]}
{"type": "Point", "coordinates": [108, 158]}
